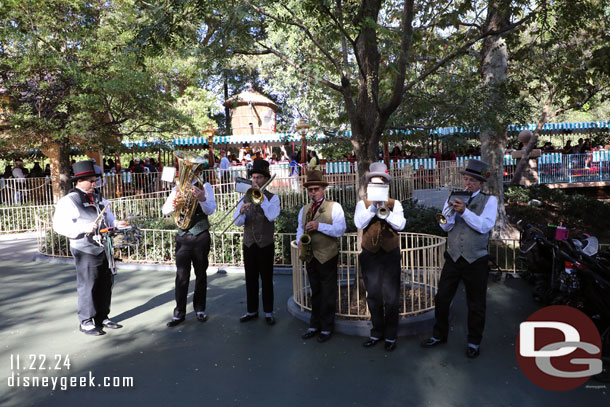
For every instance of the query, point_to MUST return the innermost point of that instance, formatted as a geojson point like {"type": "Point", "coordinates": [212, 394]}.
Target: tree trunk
{"type": "Point", "coordinates": [494, 70]}
{"type": "Point", "coordinates": [59, 155]}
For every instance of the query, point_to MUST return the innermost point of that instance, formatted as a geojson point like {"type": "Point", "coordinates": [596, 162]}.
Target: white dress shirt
{"type": "Point", "coordinates": [208, 206]}
{"type": "Point", "coordinates": [271, 209]}
{"type": "Point", "coordinates": [67, 222]}
{"type": "Point", "coordinates": [482, 224]}
{"type": "Point", "coordinates": [363, 216]}
{"type": "Point", "coordinates": [337, 229]}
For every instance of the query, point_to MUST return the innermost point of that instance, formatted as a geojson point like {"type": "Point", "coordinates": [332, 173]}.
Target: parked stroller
{"type": "Point", "coordinates": [571, 272]}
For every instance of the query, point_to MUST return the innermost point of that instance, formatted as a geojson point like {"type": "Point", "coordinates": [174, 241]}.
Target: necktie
{"type": "Point", "coordinates": [315, 207]}
{"type": "Point", "coordinates": [89, 198]}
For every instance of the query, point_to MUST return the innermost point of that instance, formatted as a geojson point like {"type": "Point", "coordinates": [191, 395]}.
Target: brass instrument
{"type": "Point", "coordinates": [382, 211]}
{"type": "Point", "coordinates": [446, 214]}
{"type": "Point", "coordinates": [253, 195]}
{"type": "Point", "coordinates": [188, 168]}
{"type": "Point", "coordinates": [305, 240]}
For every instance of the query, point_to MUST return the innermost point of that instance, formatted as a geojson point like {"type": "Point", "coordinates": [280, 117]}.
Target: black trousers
{"type": "Point", "coordinates": [193, 250]}
{"type": "Point", "coordinates": [258, 261]}
{"type": "Point", "coordinates": [474, 276]}
{"type": "Point", "coordinates": [381, 273]}
{"type": "Point", "coordinates": [323, 283]}
{"type": "Point", "coordinates": [93, 286]}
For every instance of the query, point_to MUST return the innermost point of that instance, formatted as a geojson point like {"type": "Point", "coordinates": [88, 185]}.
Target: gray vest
{"type": "Point", "coordinates": [199, 223]}
{"type": "Point", "coordinates": [257, 228]}
{"type": "Point", "coordinates": [463, 240]}
{"type": "Point", "coordinates": [87, 214]}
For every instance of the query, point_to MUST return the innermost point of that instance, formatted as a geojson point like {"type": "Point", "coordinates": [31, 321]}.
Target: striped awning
{"type": "Point", "coordinates": [277, 138]}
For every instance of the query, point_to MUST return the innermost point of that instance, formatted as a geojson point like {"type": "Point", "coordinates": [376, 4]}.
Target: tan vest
{"type": "Point", "coordinates": [379, 234]}
{"type": "Point", "coordinates": [257, 228]}
{"type": "Point", "coordinates": [324, 247]}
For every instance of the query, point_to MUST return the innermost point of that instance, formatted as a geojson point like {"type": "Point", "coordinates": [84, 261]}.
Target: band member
{"type": "Point", "coordinates": [468, 225]}
{"type": "Point", "coordinates": [380, 258]}
{"type": "Point", "coordinates": [75, 217]}
{"type": "Point", "coordinates": [258, 243]}
{"type": "Point", "coordinates": [192, 248]}
{"type": "Point", "coordinates": [324, 221]}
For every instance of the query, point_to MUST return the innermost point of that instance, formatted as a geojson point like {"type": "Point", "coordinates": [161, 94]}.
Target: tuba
{"type": "Point", "coordinates": [188, 169]}
{"type": "Point", "coordinates": [305, 240]}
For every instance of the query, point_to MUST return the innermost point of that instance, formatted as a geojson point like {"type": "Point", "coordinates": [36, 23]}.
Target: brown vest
{"type": "Point", "coordinates": [324, 247]}
{"type": "Point", "coordinates": [379, 234]}
{"type": "Point", "coordinates": [257, 228]}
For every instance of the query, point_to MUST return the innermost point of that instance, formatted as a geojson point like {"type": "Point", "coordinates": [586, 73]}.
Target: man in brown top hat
{"type": "Point", "coordinates": [380, 218]}
{"type": "Point", "coordinates": [324, 222]}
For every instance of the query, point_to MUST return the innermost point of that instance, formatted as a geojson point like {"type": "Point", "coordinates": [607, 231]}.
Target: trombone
{"type": "Point", "coordinates": [253, 195]}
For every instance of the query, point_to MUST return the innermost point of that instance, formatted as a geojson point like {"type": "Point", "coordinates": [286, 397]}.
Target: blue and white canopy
{"type": "Point", "coordinates": [280, 138]}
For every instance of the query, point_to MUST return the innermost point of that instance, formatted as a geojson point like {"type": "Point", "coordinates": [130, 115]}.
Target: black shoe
{"type": "Point", "coordinates": [111, 324]}
{"type": "Point", "coordinates": [323, 337]}
{"type": "Point", "coordinates": [270, 320]}
{"type": "Point", "coordinates": [174, 322]}
{"type": "Point", "coordinates": [431, 342]}
{"type": "Point", "coordinates": [91, 329]}
{"type": "Point", "coordinates": [202, 317]}
{"type": "Point", "coordinates": [248, 317]}
{"type": "Point", "coordinates": [390, 346]}
{"type": "Point", "coordinates": [371, 342]}
{"type": "Point", "coordinates": [309, 334]}
{"type": "Point", "coordinates": [472, 352]}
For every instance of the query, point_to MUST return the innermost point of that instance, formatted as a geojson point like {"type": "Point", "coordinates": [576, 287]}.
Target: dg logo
{"type": "Point", "coordinates": [558, 348]}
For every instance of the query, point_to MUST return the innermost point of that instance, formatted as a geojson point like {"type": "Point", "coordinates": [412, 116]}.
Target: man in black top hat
{"type": "Point", "coordinates": [258, 243]}
{"type": "Point", "coordinates": [468, 225]}
{"type": "Point", "coordinates": [75, 217]}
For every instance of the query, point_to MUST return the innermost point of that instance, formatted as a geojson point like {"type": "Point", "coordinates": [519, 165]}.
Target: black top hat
{"type": "Point", "coordinates": [82, 169]}
{"type": "Point", "coordinates": [477, 169]}
{"type": "Point", "coordinates": [260, 166]}
{"type": "Point", "coordinates": [315, 177]}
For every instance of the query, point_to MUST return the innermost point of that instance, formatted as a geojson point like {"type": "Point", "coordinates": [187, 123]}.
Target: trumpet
{"type": "Point", "coordinates": [450, 211]}
{"type": "Point", "coordinates": [382, 211]}
{"type": "Point", "coordinates": [253, 195]}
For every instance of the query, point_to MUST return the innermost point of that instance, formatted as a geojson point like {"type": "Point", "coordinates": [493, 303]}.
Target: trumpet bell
{"type": "Point", "coordinates": [440, 218]}
{"type": "Point", "coordinates": [383, 212]}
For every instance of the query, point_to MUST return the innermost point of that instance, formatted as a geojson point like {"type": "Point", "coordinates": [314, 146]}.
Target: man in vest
{"type": "Point", "coordinates": [380, 259]}
{"type": "Point", "coordinates": [75, 217]}
{"type": "Point", "coordinates": [258, 243]}
{"type": "Point", "coordinates": [324, 221]}
{"type": "Point", "coordinates": [468, 226]}
{"type": "Point", "coordinates": [192, 247]}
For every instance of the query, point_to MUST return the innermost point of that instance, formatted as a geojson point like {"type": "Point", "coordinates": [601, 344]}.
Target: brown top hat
{"type": "Point", "coordinates": [315, 177]}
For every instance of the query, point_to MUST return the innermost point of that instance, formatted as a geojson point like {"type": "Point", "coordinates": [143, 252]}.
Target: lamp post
{"type": "Point", "coordinates": [209, 133]}
{"type": "Point", "coordinates": [302, 127]}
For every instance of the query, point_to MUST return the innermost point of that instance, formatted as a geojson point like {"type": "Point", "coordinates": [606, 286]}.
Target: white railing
{"type": "Point", "coordinates": [421, 263]}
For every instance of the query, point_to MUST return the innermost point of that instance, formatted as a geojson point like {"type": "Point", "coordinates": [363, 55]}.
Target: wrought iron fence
{"type": "Point", "coordinates": [25, 191]}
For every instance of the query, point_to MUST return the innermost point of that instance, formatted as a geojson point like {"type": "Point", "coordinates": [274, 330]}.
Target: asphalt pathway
{"type": "Point", "coordinates": [226, 363]}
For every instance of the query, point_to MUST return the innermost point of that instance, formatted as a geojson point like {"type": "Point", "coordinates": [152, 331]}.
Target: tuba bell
{"type": "Point", "coordinates": [188, 168]}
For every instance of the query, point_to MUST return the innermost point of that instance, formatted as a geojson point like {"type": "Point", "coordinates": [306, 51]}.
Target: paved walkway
{"type": "Point", "coordinates": [225, 363]}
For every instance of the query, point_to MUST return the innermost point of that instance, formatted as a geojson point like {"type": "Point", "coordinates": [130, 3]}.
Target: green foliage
{"type": "Point", "coordinates": [516, 194]}
{"type": "Point", "coordinates": [421, 219]}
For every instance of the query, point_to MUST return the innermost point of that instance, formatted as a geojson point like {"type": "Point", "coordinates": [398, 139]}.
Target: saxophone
{"type": "Point", "coordinates": [188, 168]}
{"type": "Point", "coordinates": [305, 240]}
